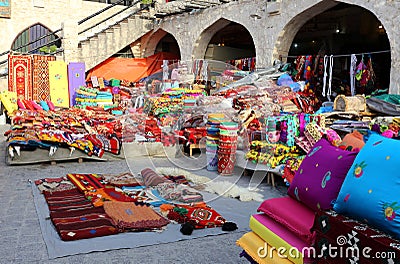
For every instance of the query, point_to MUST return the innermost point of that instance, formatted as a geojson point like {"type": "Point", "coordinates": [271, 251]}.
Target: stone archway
{"type": "Point", "coordinates": [286, 36]}
{"type": "Point", "coordinates": [201, 43]}
{"type": "Point", "coordinates": [312, 24]}
{"type": "Point", "coordinates": [150, 44]}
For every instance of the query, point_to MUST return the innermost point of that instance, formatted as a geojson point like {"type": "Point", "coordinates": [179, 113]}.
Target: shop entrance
{"type": "Point", "coordinates": [341, 31]}
{"type": "Point", "coordinates": [232, 44]}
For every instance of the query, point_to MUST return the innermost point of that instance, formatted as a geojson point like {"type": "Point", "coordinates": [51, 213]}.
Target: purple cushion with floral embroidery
{"type": "Point", "coordinates": [318, 180]}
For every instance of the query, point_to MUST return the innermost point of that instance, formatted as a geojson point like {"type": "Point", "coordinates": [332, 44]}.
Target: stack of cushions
{"type": "Point", "coordinates": [287, 221]}
{"type": "Point", "coordinates": [284, 224]}
{"type": "Point", "coordinates": [375, 173]}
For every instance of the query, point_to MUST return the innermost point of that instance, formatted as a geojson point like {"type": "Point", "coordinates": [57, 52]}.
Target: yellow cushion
{"type": "Point", "coordinates": [277, 241]}
{"type": "Point", "coordinates": [259, 250]}
{"type": "Point", "coordinates": [9, 100]}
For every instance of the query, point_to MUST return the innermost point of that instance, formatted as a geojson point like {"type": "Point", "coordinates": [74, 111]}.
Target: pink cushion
{"type": "Point", "coordinates": [292, 214]}
{"type": "Point", "coordinates": [282, 234]}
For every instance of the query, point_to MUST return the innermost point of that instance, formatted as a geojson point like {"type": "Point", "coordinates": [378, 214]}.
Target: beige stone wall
{"type": "Point", "coordinates": [52, 14]}
{"type": "Point", "coordinates": [272, 33]}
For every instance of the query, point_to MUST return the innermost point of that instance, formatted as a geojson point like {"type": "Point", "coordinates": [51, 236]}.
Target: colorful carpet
{"type": "Point", "coordinates": [40, 76]}
{"type": "Point", "coordinates": [20, 76]}
{"type": "Point", "coordinates": [231, 209]}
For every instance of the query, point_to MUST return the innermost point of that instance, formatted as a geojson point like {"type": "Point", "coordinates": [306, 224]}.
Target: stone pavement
{"type": "Point", "coordinates": [21, 239]}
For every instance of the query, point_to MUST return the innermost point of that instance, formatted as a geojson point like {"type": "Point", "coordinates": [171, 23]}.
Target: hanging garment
{"type": "Point", "coordinates": [299, 67]}
{"type": "Point", "coordinates": [325, 75]}
{"type": "Point", "coordinates": [307, 68]}
{"type": "Point", "coordinates": [329, 93]}
{"type": "Point", "coordinates": [353, 65]}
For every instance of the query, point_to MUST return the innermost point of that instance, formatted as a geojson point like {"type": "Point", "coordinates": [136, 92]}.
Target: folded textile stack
{"type": "Point", "coordinates": [228, 136]}
{"type": "Point", "coordinates": [284, 223]}
{"type": "Point", "coordinates": [104, 98]}
{"type": "Point", "coordinates": [212, 141]}
{"type": "Point", "coordinates": [85, 97]}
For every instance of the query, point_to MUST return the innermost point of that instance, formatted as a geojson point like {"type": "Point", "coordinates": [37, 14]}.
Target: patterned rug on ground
{"type": "Point", "coordinates": [231, 209]}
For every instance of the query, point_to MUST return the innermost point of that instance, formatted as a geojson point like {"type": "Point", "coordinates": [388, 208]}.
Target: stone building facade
{"type": "Point", "coordinates": [272, 25]}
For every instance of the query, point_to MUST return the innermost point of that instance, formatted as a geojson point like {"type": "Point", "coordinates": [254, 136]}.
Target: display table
{"type": "Point", "coordinates": [260, 170]}
{"type": "Point", "coordinates": [200, 145]}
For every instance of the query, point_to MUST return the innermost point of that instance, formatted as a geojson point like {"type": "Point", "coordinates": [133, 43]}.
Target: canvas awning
{"type": "Point", "coordinates": [130, 69]}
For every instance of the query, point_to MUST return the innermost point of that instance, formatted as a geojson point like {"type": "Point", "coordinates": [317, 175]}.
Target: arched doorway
{"type": "Point", "coordinates": [231, 43]}
{"type": "Point", "coordinates": [341, 30]}
{"type": "Point", "coordinates": [159, 41]}
{"type": "Point", "coordinates": [168, 44]}
{"type": "Point", "coordinates": [36, 39]}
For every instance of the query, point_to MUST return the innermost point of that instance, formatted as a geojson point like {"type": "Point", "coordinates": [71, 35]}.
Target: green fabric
{"type": "Point", "coordinates": [390, 98]}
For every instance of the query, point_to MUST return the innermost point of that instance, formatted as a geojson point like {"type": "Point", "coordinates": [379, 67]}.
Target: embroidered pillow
{"type": "Point", "coordinates": [318, 180]}
{"type": "Point", "coordinates": [370, 191]}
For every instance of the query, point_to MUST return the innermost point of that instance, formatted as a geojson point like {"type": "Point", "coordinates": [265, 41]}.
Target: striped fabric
{"type": "Point", "coordinates": [75, 218]}
{"type": "Point", "coordinates": [151, 178]}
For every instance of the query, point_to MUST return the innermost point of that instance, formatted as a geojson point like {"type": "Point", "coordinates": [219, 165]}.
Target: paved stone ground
{"type": "Point", "coordinates": [21, 239]}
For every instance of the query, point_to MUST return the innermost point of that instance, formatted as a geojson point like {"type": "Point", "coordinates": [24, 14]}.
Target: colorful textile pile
{"type": "Point", "coordinates": [92, 132]}
{"type": "Point", "coordinates": [178, 193]}
{"type": "Point", "coordinates": [95, 190]}
{"type": "Point", "coordinates": [288, 136]}
{"type": "Point", "coordinates": [283, 223]}
{"type": "Point", "coordinates": [93, 97]}
{"type": "Point", "coordinates": [166, 190]}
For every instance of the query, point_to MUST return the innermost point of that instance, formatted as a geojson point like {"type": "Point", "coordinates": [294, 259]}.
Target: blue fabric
{"type": "Point", "coordinates": [284, 80]}
{"type": "Point", "coordinates": [370, 191]}
{"type": "Point", "coordinates": [44, 105]}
